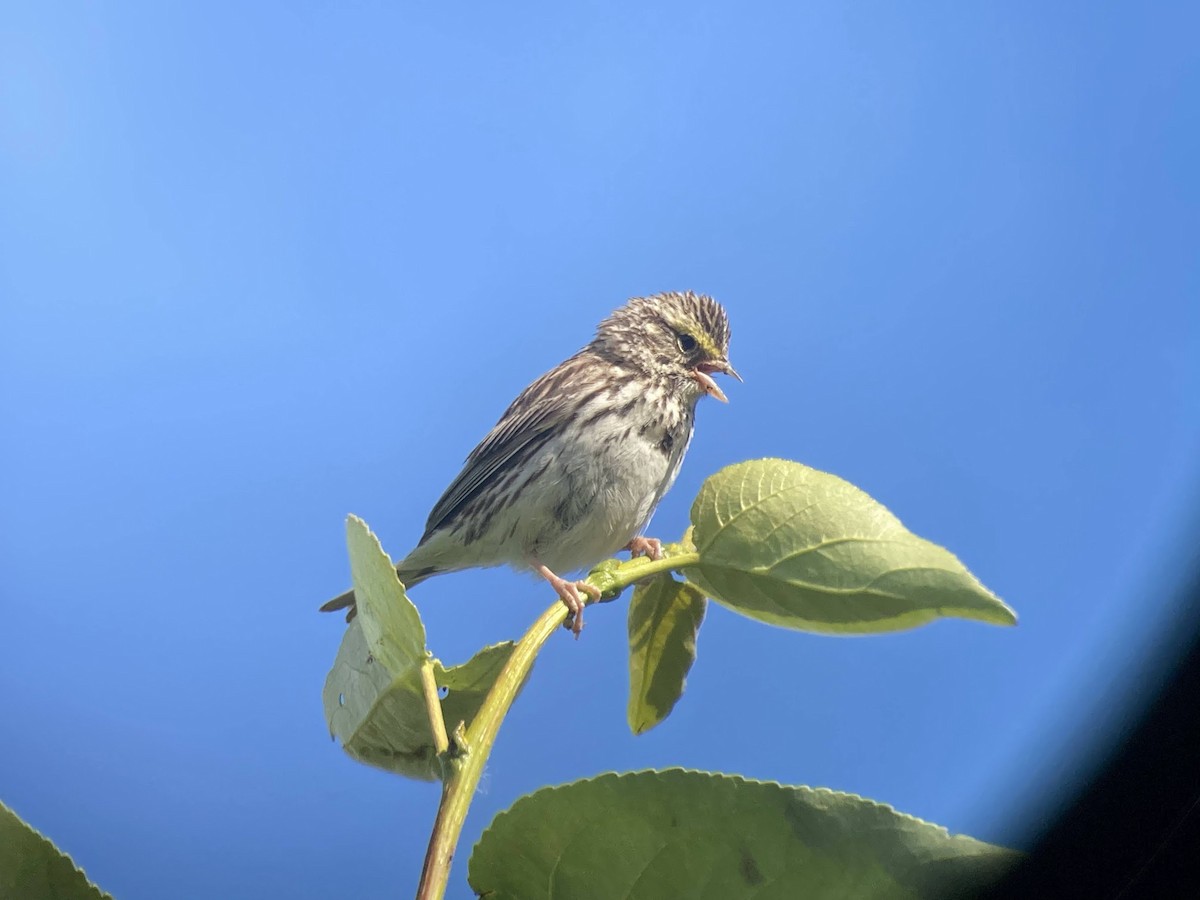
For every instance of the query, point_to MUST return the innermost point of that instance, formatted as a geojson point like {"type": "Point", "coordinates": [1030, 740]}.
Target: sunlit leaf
{"type": "Point", "coordinates": [373, 698]}
{"type": "Point", "coordinates": [792, 546]}
{"type": "Point", "coordinates": [391, 625]}
{"type": "Point", "coordinates": [380, 718]}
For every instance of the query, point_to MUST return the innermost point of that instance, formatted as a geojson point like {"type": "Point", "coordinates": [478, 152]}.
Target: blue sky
{"type": "Point", "coordinates": [264, 266]}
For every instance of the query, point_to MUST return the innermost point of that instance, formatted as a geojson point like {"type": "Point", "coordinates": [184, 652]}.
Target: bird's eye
{"type": "Point", "coordinates": [687, 343]}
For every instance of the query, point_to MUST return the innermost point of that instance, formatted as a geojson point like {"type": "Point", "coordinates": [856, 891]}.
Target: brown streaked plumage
{"type": "Point", "coordinates": [573, 470]}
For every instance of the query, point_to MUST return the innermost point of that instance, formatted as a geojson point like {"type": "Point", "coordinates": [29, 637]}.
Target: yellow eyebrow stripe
{"type": "Point", "coordinates": [687, 326]}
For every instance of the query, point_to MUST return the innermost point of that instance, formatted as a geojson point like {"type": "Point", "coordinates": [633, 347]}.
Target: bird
{"type": "Point", "coordinates": [577, 464]}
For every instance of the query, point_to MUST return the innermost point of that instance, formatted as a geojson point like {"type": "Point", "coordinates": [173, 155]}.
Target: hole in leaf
{"type": "Point", "coordinates": [341, 699]}
{"type": "Point", "coordinates": [443, 692]}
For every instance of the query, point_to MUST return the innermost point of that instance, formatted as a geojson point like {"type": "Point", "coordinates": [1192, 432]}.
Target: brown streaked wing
{"type": "Point", "coordinates": [529, 422]}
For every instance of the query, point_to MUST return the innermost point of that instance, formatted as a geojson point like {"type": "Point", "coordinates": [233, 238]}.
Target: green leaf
{"type": "Point", "coordinates": [792, 546]}
{"type": "Point", "coordinates": [664, 618]}
{"type": "Point", "coordinates": [391, 624]}
{"type": "Point", "coordinates": [468, 684]}
{"type": "Point", "coordinates": [32, 868]}
{"type": "Point", "coordinates": [679, 833]}
{"type": "Point", "coordinates": [373, 699]}
{"type": "Point", "coordinates": [379, 716]}
{"type": "Point", "coordinates": [381, 719]}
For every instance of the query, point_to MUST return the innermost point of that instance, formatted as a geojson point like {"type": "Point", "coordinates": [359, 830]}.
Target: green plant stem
{"type": "Point", "coordinates": [462, 779]}
{"type": "Point", "coordinates": [615, 580]}
{"type": "Point", "coordinates": [433, 704]}
{"type": "Point", "coordinates": [464, 769]}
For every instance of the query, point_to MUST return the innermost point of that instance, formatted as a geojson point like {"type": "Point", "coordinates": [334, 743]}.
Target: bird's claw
{"type": "Point", "coordinates": [571, 593]}
{"type": "Point", "coordinates": [644, 546]}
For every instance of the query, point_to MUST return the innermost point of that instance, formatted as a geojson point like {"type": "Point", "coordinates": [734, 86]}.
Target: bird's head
{"type": "Point", "coordinates": [681, 336]}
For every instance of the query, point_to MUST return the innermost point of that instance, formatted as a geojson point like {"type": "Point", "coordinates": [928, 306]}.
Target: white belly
{"type": "Point", "coordinates": [605, 498]}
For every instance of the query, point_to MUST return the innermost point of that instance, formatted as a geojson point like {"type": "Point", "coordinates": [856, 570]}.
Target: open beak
{"type": "Point", "coordinates": [703, 374]}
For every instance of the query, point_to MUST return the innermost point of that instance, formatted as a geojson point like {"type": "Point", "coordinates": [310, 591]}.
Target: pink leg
{"type": "Point", "coordinates": [644, 546]}
{"type": "Point", "coordinates": [571, 594]}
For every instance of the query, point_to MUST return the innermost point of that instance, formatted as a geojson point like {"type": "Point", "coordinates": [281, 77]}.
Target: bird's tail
{"type": "Point", "coordinates": [408, 577]}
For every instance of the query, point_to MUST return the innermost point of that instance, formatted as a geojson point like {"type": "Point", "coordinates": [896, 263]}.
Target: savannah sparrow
{"type": "Point", "coordinates": [573, 470]}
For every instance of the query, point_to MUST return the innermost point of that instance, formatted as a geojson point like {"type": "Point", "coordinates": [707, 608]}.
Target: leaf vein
{"type": "Point", "coordinates": [744, 509]}
{"type": "Point", "coordinates": [830, 543]}
{"type": "Point", "coordinates": [786, 520]}
{"type": "Point", "coordinates": [649, 862]}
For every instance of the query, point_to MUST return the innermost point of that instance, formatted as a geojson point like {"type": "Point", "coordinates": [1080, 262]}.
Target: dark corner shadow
{"type": "Point", "coordinates": [1134, 832]}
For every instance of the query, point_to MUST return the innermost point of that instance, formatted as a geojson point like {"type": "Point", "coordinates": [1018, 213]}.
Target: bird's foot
{"type": "Point", "coordinates": [571, 593]}
{"type": "Point", "coordinates": [644, 546]}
